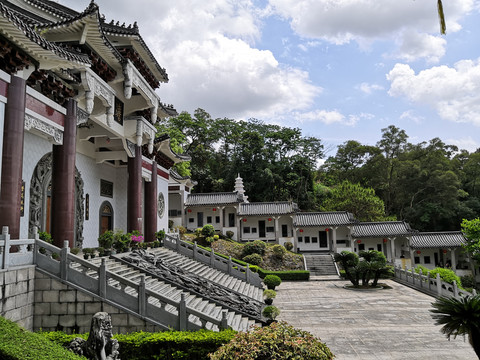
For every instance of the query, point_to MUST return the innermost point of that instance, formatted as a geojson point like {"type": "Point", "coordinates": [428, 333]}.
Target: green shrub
{"type": "Point", "coordinates": [254, 259]}
{"type": "Point", "coordinates": [425, 270]}
{"type": "Point", "coordinates": [269, 294]}
{"type": "Point", "coordinates": [18, 344]}
{"type": "Point", "coordinates": [208, 230]}
{"type": "Point", "coordinates": [255, 247]}
{"type": "Point", "coordinates": [288, 245]}
{"type": "Point", "coordinates": [270, 312]}
{"type": "Point", "coordinates": [230, 234]}
{"type": "Point", "coordinates": [468, 281]}
{"type": "Point", "coordinates": [160, 235]}
{"type": "Point", "coordinates": [446, 275]}
{"type": "Point", "coordinates": [277, 341]}
{"type": "Point", "coordinates": [253, 268]}
{"type": "Point", "coordinates": [107, 239]}
{"type": "Point", "coordinates": [45, 236]}
{"type": "Point", "coordinates": [210, 239]}
{"type": "Point", "coordinates": [279, 251]}
{"type": "Point", "coordinates": [181, 230]}
{"type": "Point", "coordinates": [287, 275]}
{"type": "Point", "coordinates": [198, 232]}
{"type": "Point", "coordinates": [272, 281]}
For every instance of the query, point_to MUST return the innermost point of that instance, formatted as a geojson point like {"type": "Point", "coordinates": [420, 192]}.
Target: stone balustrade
{"type": "Point", "coordinates": [431, 285]}
{"type": "Point", "coordinates": [15, 252]}
{"type": "Point", "coordinates": [172, 241]}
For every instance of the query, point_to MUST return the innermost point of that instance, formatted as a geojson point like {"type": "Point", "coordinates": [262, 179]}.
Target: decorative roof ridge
{"type": "Point", "coordinates": [216, 193]}
{"type": "Point", "coordinates": [438, 232]}
{"type": "Point", "coordinates": [271, 202]}
{"type": "Point", "coordinates": [30, 33]}
{"type": "Point", "coordinates": [53, 8]}
{"type": "Point", "coordinates": [165, 137]}
{"type": "Point", "coordinates": [92, 9]}
{"type": "Point", "coordinates": [177, 176]}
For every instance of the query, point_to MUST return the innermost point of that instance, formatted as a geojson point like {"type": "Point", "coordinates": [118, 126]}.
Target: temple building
{"type": "Point", "coordinates": [79, 149]}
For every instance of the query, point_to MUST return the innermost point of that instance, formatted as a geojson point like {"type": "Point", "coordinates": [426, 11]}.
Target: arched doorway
{"type": "Point", "coordinates": [40, 199]}
{"type": "Point", "coordinates": [106, 217]}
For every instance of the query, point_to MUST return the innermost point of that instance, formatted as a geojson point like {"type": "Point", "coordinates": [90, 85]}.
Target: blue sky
{"type": "Point", "coordinates": [338, 69]}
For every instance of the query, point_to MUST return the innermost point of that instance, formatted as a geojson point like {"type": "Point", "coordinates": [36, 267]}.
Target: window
{"type": "Point", "coordinates": [191, 220]}
{"type": "Point", "coordinates": [231, 219]}
{"type": "Point", "coordinates": [270, 229]}
{"type": "Point", "coordinates": [314, 239]}
{"type": "Point", "coordinates": [379, 247]}
{"type": "Point", "coordinates": [426, 259]}
{"type": "Point", "coordinates": [300, 239]}
{"type": "Point", "coordinates": [361, 247]}
{"type": "Point", "coordinates": [209, 219]}
{"type": "Point", "coordinates": [307, 239]}
{"type": "Point", "coordinates": [217, 219]}
{"type": "Point", "coordinates": [416, 259]}
{"type": "Point", "coordinates": [106, 188]}
{"type": "Point", "coordinates": [246, 230]}
{"type": "Point", "coordinates": [284, 230]}
{"type": "Point", "coordinates": [254, 230]}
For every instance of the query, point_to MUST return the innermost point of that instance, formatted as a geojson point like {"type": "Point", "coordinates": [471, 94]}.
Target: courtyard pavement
{"type": "Point", "coordinates": [370, 324]}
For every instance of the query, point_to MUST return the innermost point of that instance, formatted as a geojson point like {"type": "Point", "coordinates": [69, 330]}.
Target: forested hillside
{"type": "Point", "coordinates": [431, 185]}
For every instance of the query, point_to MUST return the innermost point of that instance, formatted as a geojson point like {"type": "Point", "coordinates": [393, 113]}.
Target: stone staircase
{"type": "Point", "coordinates": [320, 264]}
{"type": "Point", "coordinates": [236, 319]}
{"type": "Point", "coordinates": [209, 273]}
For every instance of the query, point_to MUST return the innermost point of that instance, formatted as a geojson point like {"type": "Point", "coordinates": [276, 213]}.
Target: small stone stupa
{"type": "Point", "coordinates": [239, 189]}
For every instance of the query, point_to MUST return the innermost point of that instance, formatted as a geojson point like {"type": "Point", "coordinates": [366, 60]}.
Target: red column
{"type": "Point", "coordinates": [151, 205]}
{"type": "Point", "coordinates": [134, 196]}
{"type": "Point", "coordinates": [63, 181]}
{"type": "Point", "coordinates": [12, 157]}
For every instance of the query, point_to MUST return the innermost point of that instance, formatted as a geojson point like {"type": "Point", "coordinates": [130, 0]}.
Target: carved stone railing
{"type": "Point", "coordinates": [433, 286]}
{"type": "Point", "coordinates": [15, 252]}
{"type": "Point", "coordinates": [172, 241]}
{"type": "Point", "coordinates": [120, 292]}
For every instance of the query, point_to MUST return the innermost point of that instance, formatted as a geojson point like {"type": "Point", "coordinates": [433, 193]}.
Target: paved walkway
{"type": "Point", "coordinates": [371, 324]}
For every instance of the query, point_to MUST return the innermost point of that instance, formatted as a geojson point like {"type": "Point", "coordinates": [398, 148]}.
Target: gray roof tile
{"type": "Point", "coordinates": [268, 208]}
{"type": "Point", "coordinates": [381, 229]}
{"type": "Point", "coordinates": [446, 239]}
{"type": "Point", "coordinates": [226, 198]}
{"type": "Point", "coordinates": [332, 218]}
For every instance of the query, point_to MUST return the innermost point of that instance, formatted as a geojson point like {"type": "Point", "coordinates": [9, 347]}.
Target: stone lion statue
{"type": "Point", "coordinates": [99, 345]}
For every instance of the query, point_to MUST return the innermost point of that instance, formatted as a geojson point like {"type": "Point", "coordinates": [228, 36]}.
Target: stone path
{"type": "Point", "coordinates": [374, 324]}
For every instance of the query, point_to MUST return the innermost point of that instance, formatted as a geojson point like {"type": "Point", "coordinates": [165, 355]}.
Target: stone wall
{"type": "Point", "coordinates": [61, 307]}
{"type": "Point", "coordinates": [17, 295]}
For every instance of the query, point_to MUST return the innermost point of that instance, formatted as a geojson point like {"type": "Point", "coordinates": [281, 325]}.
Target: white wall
{"type": "Point", "coordinates": [34, 148]}
{"type": "Point", "coordinates": [91, 174]}
{"type": "Point", "coordinates": [162, 187]}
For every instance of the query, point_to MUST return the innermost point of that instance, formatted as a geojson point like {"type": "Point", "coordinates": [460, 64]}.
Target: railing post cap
{"type": "Point", "coordinates": [4, 230]}
{"type": "Point", "coordinates": [66, 244]}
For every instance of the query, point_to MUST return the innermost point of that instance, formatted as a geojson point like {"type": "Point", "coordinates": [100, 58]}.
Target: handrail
{"type": "Point", "coordinates": [432, 286]}
{"type": "Point", "coordinates": [213, 260]}
{"type": "Point", "coordinates": [117, 290]}
{"type": "Point", "coordinates": [23, 254]}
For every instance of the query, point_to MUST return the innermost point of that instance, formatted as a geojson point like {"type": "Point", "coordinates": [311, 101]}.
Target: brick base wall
{"type": "Point", "coordinates": [17, 295]}
{"type": "Point", "coordinates": [61, 307]}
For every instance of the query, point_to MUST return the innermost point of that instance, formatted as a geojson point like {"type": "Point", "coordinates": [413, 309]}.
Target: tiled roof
{"type": "Point", "coordinates": [268, 208]}
{"type": "Point", "coordinates": [447, 239]}
{"type": "Point", "coordinates": [225, 198]}
{"type": "Point", "coordinates": [332, 218]}
{"type": "Point", "coordinates": [53, 7]}
{"type": "Point", "coordinates": [381, 229]}
{"type": "Point", "coordinates": [14, 17]}
{"type": "Point", "coordinates": [166, 138]}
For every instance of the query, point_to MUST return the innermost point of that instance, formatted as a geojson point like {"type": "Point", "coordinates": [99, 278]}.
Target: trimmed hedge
{"type": "Point", "coordinates": [17, 343]}
{"type": "Point", "coordinates": [288, 275]}
{"type": "Point", "coordinates": [170, 345]}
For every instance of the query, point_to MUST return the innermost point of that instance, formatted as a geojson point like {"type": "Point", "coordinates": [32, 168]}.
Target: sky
{"type": "Point", "coordinates": [337, 69]}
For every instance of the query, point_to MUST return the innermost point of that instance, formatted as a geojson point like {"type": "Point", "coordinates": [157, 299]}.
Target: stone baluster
{"type": "Point", "coordinates": [224, 323]}
{"type": "Point", "coordinates": [102, 279]}
{"type": "Point", "coordinates": [420, 273]}
{"type": "Point", "coordinates": [142, 297]}
{"type": "Point", "coordinates": [6, 249]}
{"type": "Point", "coordinates": [35, 246]}
{"type": "Point", "coordinates": [230, 265]}
{"type": "Point", "coordinates": [247, 273]}
{"type": "Point", "coordinates": [182, 313]}
{"type": "Point", "coordinates": [64, 260]}
{"type": "Point", "coordinates": [195, 250]}
{"type": "Point", "coordinates": [439, 285]}
{"type": "Point", "coordinates": [455, 290]}
{"type": "Point", "coordinates": [212, 258]}
{"type": "Point", "coordinates": [413, 276]}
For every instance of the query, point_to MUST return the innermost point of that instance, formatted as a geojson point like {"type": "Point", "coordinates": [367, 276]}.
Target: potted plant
{"type": "Point", "coordinates": [270, 312]}
{"type": "Point", "coordinates": [106, 240]}
{"type": "Point", "coordinates": [272, 281]}
{"type": "Point", "coordinates": [268, 296]}
{"type": "Point", "coordinates": [75, 251]}
{"type": "Point", "coordinates": [87, 252]}
{"type": "Point", "coordinates": [101, 251]}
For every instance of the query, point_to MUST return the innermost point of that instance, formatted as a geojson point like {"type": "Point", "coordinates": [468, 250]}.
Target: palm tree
{"type": "Point", "coordinates": [459, 317]}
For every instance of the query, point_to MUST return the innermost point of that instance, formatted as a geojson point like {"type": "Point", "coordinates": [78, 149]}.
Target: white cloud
{"type": "Point", "coordinates": [331, 117]}
{"type": "Point", "coordinates": [411, 116]}
{"type": "Point", "coordinates": [454, 92]}
{"type": "Point", "coordinates": [466, 143]}
{"type": "Point", "coordinates": [369, 88]}
{"type": "Point", "coordinates": [414, 46]}
{"type": "Point", "coordinates": [364, 21]}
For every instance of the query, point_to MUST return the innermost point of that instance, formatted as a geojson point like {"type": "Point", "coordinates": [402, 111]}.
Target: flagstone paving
{"type": "Point", "coordinates": [370, 324]}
